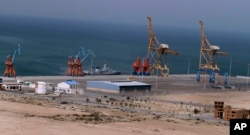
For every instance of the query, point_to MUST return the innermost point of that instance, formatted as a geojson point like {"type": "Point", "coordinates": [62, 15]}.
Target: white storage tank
{"type": "Point", "coordinates": [40, 88]}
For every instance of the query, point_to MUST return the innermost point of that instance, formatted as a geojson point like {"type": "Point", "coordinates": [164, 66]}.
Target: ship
{"type": "Point", "coordinates": [105, 70]}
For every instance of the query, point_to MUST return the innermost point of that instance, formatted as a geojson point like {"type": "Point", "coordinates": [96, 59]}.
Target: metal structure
{"type": "Point", "coordinates": [82, 54]}
{"type": "Point", "coordinates": [157, 53]}
{"type": "Point", "coordinates": [141, 68]}
{"type": "Point", "coordinates": [71, 65]}
{"type": "Point", "coordinates": [208, 63]}
{"type": "Point", "coordinates": [145, 67]}
{"type": "Point", "coordinates": [75, 62]}
{"type": "Point", "coordinates": [9, 69]}
{"type": "Point", "coordinates": [117, 86]}
{"type": "Point", "coordinates": [208, 53]}
{"type": "Point", "coordinates": [137, 66]}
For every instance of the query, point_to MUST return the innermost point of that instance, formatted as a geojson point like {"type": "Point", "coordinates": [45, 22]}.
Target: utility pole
{"type": "Point", "coordinates": [247, 73]}
{"type": "Point", "coordinates": [205, 82]}
{"type": "Point", "coordinates": [188, 66]}
{"type": "Point", "coordinates": [91, 67]}
{"type": "Point", "coordinates": [230, 67]}
{"type": "Point", "coordinates": [156, 79]}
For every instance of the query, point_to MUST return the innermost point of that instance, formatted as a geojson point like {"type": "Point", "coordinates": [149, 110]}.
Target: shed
{"type": "Point", "coordinates": [69, 86]}
{"type": "Point", "coordinates": [117, 86]}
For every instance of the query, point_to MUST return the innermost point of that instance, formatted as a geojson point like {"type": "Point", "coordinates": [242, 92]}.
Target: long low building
{"type": "Point", "coordinates": [11, 86]}
{"type": "Point", "coordinates": [117, 86]}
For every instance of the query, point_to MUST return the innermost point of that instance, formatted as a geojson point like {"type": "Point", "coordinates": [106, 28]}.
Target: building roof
{"type": "Point", "coordinates": [11, 83]}
{"type": "Point", "coordinates": [125, 83]}
{"type": "Point", "coordinates": [71, 82]}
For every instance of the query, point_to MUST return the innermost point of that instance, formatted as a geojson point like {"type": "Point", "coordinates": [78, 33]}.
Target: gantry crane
{"type": "Point", "coordinates": [208, 63]}
{"type": "Point", "coordinates": [75, 62]}
{"type": "Point", "coordinates": [158, 53]}
{"type": "Point", "coordinates": [9, 69]}
{"type": "Point", "coordinates": [208, 53]}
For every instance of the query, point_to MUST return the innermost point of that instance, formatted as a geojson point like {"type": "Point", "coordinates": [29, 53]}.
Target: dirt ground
{"type": "Point", "coordinates": [15, 121]}
{"type": "Point", "coordinates": [20, 115]}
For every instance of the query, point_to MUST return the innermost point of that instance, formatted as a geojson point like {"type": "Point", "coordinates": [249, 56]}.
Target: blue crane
{"type": "Point", "coordinates": [9, 70]}
{"type": "Point", "coordinates": [82, 54]}
{"type": "Point", "coordinates": [17, 50]}
{"type": "Point", "coordinates": [75, 62]}
{"type": "Point", "coordinates": [87, 53]}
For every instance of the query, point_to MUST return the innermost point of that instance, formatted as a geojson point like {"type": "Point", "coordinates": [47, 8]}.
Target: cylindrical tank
{"type": "Point", "coordinates": [40, 88]}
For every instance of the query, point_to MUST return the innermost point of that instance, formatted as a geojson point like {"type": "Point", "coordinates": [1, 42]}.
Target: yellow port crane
{"type": "Point", "coordinates": [158, 53]}
{"type": "Point", "coordinates": [208, 53]}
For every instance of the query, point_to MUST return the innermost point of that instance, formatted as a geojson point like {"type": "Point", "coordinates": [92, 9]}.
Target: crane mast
{"type": "Point", "coordinates": [158, 53]}
{"type": "Point", "coordinates": [208, 53]}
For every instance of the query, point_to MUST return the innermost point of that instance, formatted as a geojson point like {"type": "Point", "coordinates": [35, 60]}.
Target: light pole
{"type": "Point", "coordinates": [91, 68]}
{"type": "Point", "coordinates": [188, 66]}
{"type": "Point", "coordinates": [247, 73]}
{"type": "Point", "coordinates": [156, 79]}
{"type": "Point", "coordinates": [230, 66]}
{"type": "Point", "coordinates": [205, 78]}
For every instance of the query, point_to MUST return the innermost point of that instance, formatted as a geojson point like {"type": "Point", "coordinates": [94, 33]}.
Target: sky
{"type": "Point", "coordinates": [224, 15]}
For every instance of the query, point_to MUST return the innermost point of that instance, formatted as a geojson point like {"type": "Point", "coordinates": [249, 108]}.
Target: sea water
{"type": "Point", "coordinates": [47, 44]}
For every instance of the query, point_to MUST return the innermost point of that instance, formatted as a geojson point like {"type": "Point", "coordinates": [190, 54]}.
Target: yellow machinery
{"type": "Point", "coordinates": [158, 53]}
{"type": "Point", "coordinates": [208, 53]}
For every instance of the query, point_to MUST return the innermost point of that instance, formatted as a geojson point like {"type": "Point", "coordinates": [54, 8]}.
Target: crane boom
{"type": "Point", "coordinates": [87, 53]}
{"type": "Point", "coordinates": [81, 51]}
{"type": "Point", "coordinates": [151, 35]}
{"type": "Point", "coordinates": [82, 54]}
{"type": "Point", "coordinates": [17, 50]}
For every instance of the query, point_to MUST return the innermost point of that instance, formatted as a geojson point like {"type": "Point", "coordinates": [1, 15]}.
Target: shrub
{"type": "Point", "coordinates": [87, 100]}
{"type": "Point", "coordinates": [196, 111]}
{"type": "Point", "coordinates": [64, 102]}
{"type": "Point", "coordinates": [98, 100]}
{"type": "Point", "coordinates": [96, 116]}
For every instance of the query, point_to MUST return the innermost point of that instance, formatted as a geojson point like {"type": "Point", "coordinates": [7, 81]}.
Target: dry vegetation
{"type": "Point", "coordinates": [125, 112]}
{"type": "Point", "coordinates": [181, 110]}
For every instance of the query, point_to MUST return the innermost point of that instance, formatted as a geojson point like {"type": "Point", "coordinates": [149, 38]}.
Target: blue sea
{"type": "Point", "coordinates": [46, 45]}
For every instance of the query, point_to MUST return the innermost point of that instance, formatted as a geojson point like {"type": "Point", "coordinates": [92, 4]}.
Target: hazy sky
{"type": "Point", "coordinates": [232, 15]}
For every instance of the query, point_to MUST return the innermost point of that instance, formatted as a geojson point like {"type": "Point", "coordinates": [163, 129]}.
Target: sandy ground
{"type": "Point", "coordinates": [15, 122]}
{"type": "Point", "coordinates": [24, 116]}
